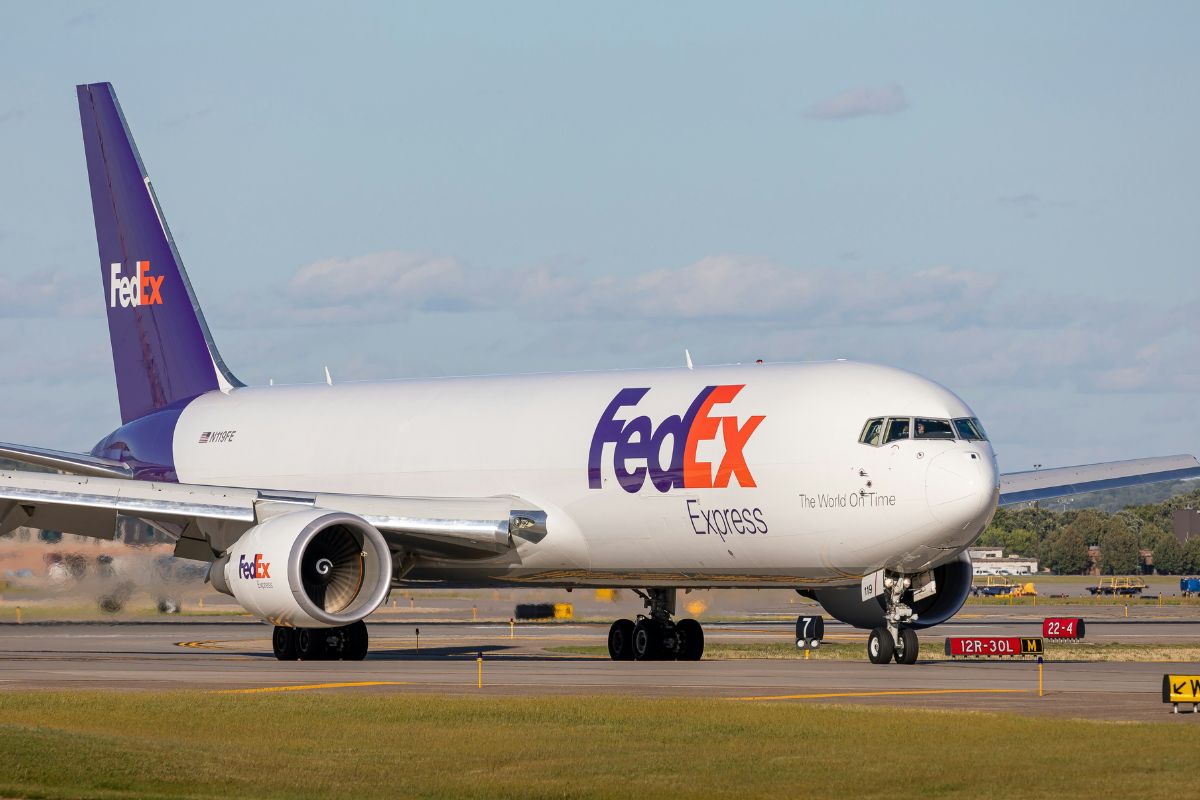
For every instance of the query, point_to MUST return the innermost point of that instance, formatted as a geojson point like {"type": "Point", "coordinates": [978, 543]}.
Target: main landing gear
{"type": "Point", "coordinates": [655, 636]}
{"type": "Point", "coordinates": [895, 640]}
{"type": "Point", "coordinates": [347, 643]}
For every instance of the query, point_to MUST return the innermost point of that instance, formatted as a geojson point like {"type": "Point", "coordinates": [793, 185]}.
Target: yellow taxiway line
{"type": "Point", "coordinates": [305, 687]}
{"type": "Point", "coordinates": [885, 694]}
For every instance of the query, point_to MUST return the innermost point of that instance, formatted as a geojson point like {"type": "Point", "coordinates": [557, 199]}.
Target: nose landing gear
{"type": "Point", "coordinates": [896, 640]}
{"type": "Point", "coordinates": [656, 636]}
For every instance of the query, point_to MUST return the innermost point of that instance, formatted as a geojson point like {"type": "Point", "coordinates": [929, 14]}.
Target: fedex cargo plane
{"type": "Point", "coordinates": [856, 485]}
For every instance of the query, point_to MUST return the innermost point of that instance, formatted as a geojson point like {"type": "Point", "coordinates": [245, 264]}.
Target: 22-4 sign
{"type": "Point", "coordinates": [1062, 628]}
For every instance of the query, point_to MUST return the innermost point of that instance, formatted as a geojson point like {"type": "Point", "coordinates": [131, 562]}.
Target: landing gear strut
{"type": "Point", "coordinates": [655, 636]}
{"type": "Point", "coordinates": [347, 643]}
{"type": "Point", "coordinates": [896, 639]}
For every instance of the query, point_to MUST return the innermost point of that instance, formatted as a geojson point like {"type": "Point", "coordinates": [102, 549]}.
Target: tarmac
{"type": "Point", "coordinates": [231, 654]}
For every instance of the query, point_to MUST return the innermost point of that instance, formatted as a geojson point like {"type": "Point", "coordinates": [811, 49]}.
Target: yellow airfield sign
{"type": "Point", "coordinates": [1181, 689]}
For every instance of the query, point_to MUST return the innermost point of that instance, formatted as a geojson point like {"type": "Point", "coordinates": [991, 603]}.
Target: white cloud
{"type": "Point", "coordinates": [382, 286]}
{"type": "Point", "coordinates": [960, 326]}
{"type": "Point", "coordinates": [861, 101]}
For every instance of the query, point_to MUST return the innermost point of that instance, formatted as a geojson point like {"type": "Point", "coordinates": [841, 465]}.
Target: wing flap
{"type": "Point", "coordinates": [1047, 484]}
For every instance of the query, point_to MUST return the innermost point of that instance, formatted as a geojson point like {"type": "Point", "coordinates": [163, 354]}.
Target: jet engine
{"type": "Point", "coordinates": [953, 579]}
{"type": "Point", "coordinates": [307, 569]}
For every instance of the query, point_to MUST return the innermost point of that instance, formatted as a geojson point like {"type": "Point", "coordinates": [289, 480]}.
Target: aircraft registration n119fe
{"type": "Point", "coordinates": [859, 486]}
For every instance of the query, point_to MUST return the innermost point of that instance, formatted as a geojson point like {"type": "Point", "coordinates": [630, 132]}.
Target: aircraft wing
{"type": "Point", "coordinates": [206, 520]}
{"type": "Point", "coordinates": [1046, 484]}
{"type": "Point", "coordinates": [74, 463]}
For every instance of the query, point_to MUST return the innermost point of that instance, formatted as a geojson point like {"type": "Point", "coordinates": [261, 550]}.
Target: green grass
{"type": "Point", "coordinates": [931, 650]}
{"type": "Point", "coordinates": [339, 743]}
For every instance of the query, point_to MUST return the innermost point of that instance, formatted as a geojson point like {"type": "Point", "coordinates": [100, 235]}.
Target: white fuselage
{"type": "Point", "coordinates": [768, 486]}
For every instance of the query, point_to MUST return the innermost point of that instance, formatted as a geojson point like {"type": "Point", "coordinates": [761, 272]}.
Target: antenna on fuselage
{"type": "Point", "coordinates": [687, 357]}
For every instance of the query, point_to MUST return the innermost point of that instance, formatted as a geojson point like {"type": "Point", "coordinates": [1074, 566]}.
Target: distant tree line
{"type": "Point", "coordinates": [1060, 539]}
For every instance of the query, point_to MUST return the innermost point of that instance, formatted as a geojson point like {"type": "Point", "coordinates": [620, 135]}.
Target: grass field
{"type": "Point", "coordinates": [342, 744]}
{"type": "Point", "coordinates": [855, 651]}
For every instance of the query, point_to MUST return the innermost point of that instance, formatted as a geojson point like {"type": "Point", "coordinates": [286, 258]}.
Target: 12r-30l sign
{"type": "Point", "coordinates": [993, 646]}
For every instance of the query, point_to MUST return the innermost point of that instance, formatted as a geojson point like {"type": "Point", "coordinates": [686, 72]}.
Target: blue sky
{"type": "Point", "coordinates": [999, 197]}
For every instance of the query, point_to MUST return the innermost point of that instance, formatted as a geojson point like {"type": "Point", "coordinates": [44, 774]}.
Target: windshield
{"type": "Point", "coordinates": [970, 430]}
{"type": "Point", "coordinates": [872, 432]}
{"type": "Point", "coordinates": [897, 428]}
{"type": "Point", "coordinates": [933, 429]}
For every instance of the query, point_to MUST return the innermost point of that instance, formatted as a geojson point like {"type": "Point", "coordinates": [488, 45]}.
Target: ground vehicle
{"type": "Point", "coordinates": [1000, 586]}
{"type": "Point", "coordinates": [1189, 586]}
{"type": "Point", "coordinates": [1118, 585]}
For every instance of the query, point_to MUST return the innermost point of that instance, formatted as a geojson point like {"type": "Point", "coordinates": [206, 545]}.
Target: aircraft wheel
{"type": "Point", "coordinates": [907, 647]}
{"type": "Point", "coordinates": [310, 644]}
{"type": "Point", "coordinates": [647, 640]}
{"type": "Point", "coordinates": [880, 646]}
{"type": "Point", "coordinates": [283, 642]}
{"type": "Point", "coordinates": [691, 640]}
{"type": "Point", "coordinates": [620, 640]}
{"type": "Point", "coordinates": [355, 641]}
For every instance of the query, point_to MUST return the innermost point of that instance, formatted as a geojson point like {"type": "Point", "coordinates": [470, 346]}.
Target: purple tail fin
{"type": "Point", "coordinates": [163, 353]}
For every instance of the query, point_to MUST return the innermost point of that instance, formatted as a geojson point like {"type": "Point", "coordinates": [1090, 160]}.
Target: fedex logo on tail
{"type": "Point", "coordinates": [142, 289]}
{"type": "Point", "coordinates": [639, 441]}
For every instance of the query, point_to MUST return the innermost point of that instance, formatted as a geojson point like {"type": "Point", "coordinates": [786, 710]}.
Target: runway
{"type": "Point", "coordinates": [236, 656]}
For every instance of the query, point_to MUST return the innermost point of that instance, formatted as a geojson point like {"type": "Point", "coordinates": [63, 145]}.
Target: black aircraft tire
{"type": "Point", "coordinates": [310, 644]}
{"type": "Point", "coordinates": [356, 641]}
{"type": "Point", "coordinates": [620, 640]}
{"type": "Point", "coordinates": [880, 646]}
{"type": "Point", "coordinates": [692, 636]}
{"type": "Point", "coordinates": [283, 642]}
{"type": "Point", "coordinates": [647, 641]}
{"type": "Point", "coordinates": [907, 648]}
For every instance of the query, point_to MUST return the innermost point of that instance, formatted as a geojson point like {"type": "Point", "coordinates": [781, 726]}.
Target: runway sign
{"type": "Point", "coordinates": [986, 646]}
{"type": "Point", "coordinates": [809, 632]}
{"type": "Point", "coordinates": [1181, 689]}
{"type": "Point", "coordinates": [1062, 628]}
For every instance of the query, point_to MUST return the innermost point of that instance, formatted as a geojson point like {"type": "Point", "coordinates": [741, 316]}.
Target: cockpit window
{"type": "Point", "coordinates": [897, 428]}
{"type": "Point", "coordinates": [872, 432]}
{"type": "Point", "coordinates": [933, 429]}
{"type": "Point", "coordinates": [970, 430]}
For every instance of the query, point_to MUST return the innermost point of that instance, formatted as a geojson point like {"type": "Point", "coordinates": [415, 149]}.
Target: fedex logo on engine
{"type": "Point", "coordinates": [142, 289]}
{"type": "Point", "coordinates": [639, 441]}
{"type": "Point", "coordinates": [256, 569]}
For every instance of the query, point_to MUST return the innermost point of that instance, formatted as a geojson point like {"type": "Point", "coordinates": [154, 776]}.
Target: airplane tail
{"type": "Point", "coordinates": [162, 350]}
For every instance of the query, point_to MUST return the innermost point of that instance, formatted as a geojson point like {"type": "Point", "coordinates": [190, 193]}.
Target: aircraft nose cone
{"type": "Point", "coordinates": [961, 488]}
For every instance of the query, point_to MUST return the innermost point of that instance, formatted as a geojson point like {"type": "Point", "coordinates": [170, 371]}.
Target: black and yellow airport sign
{"type": "Point", "coordinates": [1181, 688]}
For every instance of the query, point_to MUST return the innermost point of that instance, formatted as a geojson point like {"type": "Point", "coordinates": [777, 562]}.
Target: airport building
{"type": "Point", "coordinates": [992, 561]}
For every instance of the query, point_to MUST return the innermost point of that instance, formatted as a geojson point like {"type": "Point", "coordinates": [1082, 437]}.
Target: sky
{"type": "Point", "coordinates": [999, 197]}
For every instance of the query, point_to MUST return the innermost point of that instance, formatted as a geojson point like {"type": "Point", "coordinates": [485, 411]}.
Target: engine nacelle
{"type": "Point", "coordinates": [307, 569]}
{"type": "Point", "coordinates": [953, 578]}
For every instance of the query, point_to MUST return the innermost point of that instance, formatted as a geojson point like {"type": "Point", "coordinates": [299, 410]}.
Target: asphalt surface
{"type": "Point", "coordinates": [235, 655]}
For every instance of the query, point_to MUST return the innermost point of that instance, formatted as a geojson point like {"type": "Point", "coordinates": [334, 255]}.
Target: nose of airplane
{"type": "Point", "coordinates": [961, 487]}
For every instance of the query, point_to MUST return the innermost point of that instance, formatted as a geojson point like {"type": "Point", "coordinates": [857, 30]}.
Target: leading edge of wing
{"type": "Point", "coordinates": [1047, 484]}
